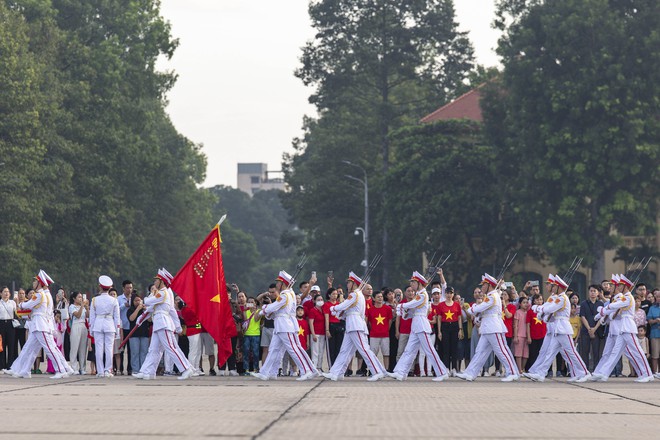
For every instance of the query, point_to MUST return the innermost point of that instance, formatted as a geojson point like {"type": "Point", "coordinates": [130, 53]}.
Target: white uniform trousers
{"type": "Point", "coordinates": [286, 343]}
{"type": "Point", "coordinates": [610, 341]}
{"type": "Point", "coordinates": [356, 340]}
{"type": "Point", "coordinates": [52, 352]}
{"type": "Point", "coordinates": [628, 344]}
{"type": "Point", "coordinates": [104, 344]}
{"type": "Point", "coordinates": [318, 350]}
{"type": "Point", "coordinates": [163, 340]}
{"type": "Point", "coordinates": [560, 344]}
{"type": "Point", "coordinates": [78, 350]}
{"type": "Point", "coordinates": [29, 352]}
{"type": "Point", "coordinates": [195, 350]}
{"type": "Point", "coordinates": [492, 343]}
{"type": "Point", "coordinates": [420, 341]}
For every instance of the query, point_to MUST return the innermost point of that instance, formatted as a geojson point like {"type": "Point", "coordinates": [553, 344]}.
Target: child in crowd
{"type": "Point", "coordinates": [303, 333]}
{"type": "Point", "coordinates": [520, 345]}
{"type": "Point", "coordinates": [575, 321]}
{"type": "Point", "coordinates": [643, 340]}
{"type": "Point", "coordinates": [58, 336]}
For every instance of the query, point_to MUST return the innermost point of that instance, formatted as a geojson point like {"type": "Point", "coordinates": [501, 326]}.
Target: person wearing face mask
{"type": "Point", "coordinates": [318, 339]}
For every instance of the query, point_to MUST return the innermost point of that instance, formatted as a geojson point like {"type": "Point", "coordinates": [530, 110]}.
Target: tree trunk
{"type": "Point", "coordinates": [598, 266]}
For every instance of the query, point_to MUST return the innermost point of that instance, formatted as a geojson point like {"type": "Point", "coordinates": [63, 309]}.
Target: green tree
{"type": "Point", "coordinates": [576, 118]}
{"type": "Point", "coordinates": [21, 149]}
{"type": "Point", "coordinates": [449, 199]}
{"type": "Point", "coordinates": [376, 65]}
{"type": "Point", "coordinates": [118, 187]}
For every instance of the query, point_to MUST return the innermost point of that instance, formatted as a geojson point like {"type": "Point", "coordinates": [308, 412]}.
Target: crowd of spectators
{"type": "Point", "coordinates": [321, 334]}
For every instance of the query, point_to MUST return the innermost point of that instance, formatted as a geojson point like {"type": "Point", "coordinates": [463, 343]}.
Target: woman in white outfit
{"type": "Point", "coordinates": [78, 311]}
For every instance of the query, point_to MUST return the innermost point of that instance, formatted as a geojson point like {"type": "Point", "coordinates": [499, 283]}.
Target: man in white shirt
{"type": "Point", "coordinates": [7, 315]}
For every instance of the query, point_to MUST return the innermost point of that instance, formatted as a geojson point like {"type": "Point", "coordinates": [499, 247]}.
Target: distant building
{"type": "Point", "coordinates": [464, 107]}
{"type": "Point", "coordinates": [254, 177]}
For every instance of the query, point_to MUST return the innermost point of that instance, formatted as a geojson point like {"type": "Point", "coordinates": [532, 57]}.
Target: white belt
{"type": "Point", "coordinates": [104, 316]}
{"type": "Point", "coordinates": [352, 314]}
{"type": "Point", "coordinates": [420, 314]}
{"type": "Point", "coordinates": [561, 318]}
{"type": "Point", "coordinates": [490, 314]}
{"type": "Point", "coordinates": [160, 312]}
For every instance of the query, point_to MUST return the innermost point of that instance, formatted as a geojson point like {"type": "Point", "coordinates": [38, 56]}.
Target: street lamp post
{"type": "Point", "coordinates": [365, 231]}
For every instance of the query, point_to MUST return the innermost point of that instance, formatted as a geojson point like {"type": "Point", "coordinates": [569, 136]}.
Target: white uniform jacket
{"type": "Point", "coordinates": [624, 320]}
{"type": "Point", "coordinates": [558, 309]}
{"type": "Point", "coordinates": [104, 314]}
{"type": "Point", "coordinates": [353, 308]}
{"type": "Point", "coordinates": [490, 312]}
{"type": "Point", "coordinates": [418, 308]}
{"type": "Point", "coordinates": [41, 305]}
{"type": "Point", "coordinates": [280, 312]}
{"type": "Point", "coordinates": [160, 305]}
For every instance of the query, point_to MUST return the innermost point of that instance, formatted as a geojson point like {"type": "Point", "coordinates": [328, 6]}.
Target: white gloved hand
{"type": "Point", "coordinates": [141, 319]}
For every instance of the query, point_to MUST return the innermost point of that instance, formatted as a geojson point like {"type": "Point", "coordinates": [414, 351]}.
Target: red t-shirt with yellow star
{"type": "Point", "coordinates": [449, 313]}
{"type": "Point", "coordinates": [303, 332]}
{"type": "Point", "coordinates": [379, 319]}
{"type": "Point", "coordinates": [537, 328]}
{"type": "Point", "coordinates": [405, 325]}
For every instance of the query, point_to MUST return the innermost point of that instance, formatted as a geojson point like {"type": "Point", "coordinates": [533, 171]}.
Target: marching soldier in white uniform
{"type": "Point", "coordinates": [492, 333]}
{"type": "Point", "coordinates": [41, 328]}
{"type": "Point", "coordinates": [355, 338]}
{"type": "Point", "coordinates": [538, 375]}
{"type": "Point", "coordinates": [612, 332]}
{"type": "Point", "coordinates": [560, 336]}
{"type": "Point", "coordinates": [420, 333]}
{"type": "Point", "coordinates": [104, 322]}
{"type": "Point", "coordinates": [622, 311]}
{"type": "Point", "coordinates": [160, 305]}
{"type": "Point", "coordinates": [285, 336]}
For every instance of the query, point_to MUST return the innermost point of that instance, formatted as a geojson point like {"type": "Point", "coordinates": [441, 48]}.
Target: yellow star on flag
{"type": "Point", "coordinates": [449, 315]}
{"type": "Point", "coordinates": [301, 331]}
{"type": "Point", "coordinates": [380, 320]}
{"type": "Point", "coordinates": [537, 320]}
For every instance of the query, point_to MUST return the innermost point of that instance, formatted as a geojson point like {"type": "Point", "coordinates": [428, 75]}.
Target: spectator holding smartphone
{"type": "Point", "coordinates": [78, 310]}
{"type": "Point", "coordinates": [251, 336]}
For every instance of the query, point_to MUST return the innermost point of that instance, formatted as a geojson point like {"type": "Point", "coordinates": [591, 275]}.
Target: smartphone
{"type": "Point", "coordinates": [331, 274]}
{"type": "Point", "coordinates": [313, 274]}
{"type": "Point", "coordinates": [508, 284]}
{"type": "Point", "coordinates": [84, 296]}
{"type": "Point", "coordinates": [534, 283]}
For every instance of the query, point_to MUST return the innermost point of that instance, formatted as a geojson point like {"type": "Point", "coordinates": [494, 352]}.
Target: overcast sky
{"type": "Point", "coordinates": [236, 93]}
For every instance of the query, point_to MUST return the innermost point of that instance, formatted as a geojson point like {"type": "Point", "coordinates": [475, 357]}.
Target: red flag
{"type": "Point", "coordinates": [201, 284]}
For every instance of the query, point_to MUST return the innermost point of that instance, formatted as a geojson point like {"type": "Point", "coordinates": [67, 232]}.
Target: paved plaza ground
{"type": "Point", "coordinates": [246, 408]}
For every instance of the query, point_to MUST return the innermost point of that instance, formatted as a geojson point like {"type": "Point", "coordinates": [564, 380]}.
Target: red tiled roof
{"type": "Point", "coordinates": [464, 107]}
